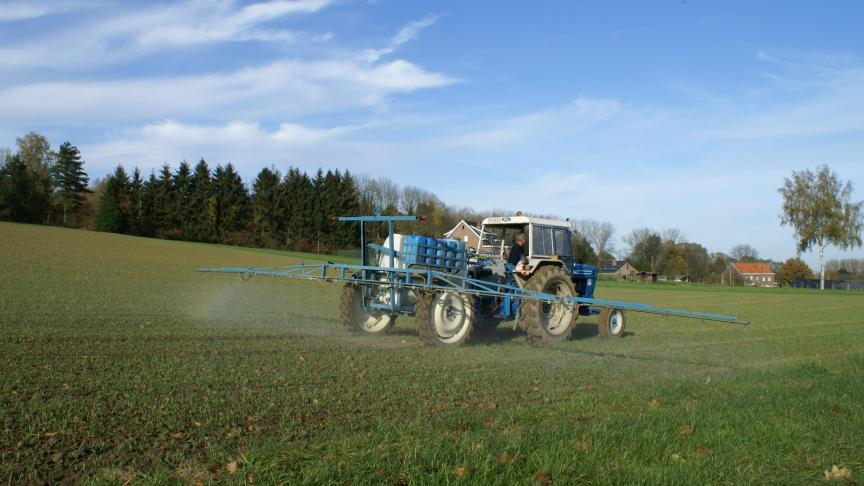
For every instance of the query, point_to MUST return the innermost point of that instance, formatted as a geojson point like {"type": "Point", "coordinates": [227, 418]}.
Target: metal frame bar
{"type": "Point", "coordinates": [427, 278]}
{"type": "Point", "coordinates": [398, 278]}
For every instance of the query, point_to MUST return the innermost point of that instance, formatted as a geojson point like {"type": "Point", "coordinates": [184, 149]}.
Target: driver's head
{"type": "Point", "coordinates": [520, 238]}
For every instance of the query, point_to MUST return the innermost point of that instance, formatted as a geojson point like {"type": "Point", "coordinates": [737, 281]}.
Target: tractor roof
{"type": "Point", "coordinates": [502, 220]}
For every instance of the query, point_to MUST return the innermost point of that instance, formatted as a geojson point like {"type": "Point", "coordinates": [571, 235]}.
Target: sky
{"type": "Point", "coordinates": [680, 114]}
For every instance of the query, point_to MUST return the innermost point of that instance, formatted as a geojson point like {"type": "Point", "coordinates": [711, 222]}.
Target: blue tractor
{"type": "Point", "coordinates": [452, 290]}
{"type": "Point", "coordinates": [548, 266]}
{"type": "Point", "coordinates": [446, 316]}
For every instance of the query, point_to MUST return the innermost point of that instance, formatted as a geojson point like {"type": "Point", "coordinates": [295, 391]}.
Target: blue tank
{"type": "Point", "coordinates": [432, 252]}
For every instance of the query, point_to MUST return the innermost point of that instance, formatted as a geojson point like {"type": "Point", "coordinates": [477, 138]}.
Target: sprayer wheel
{"type": "Point", "coordinates": [611, 322]}
{"type": "Point", "coordinates": [549, 322]}
{"type": "Point", "coordinates": [356, 318]}
{"type": "Point", "coordinates": [445, 317]}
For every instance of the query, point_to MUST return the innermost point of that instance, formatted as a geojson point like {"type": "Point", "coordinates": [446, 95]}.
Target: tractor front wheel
{"type": "Point", "coordinates": [549, 321]}
{"type": "Point", "coordinates": [445, 317]}
{"type": "Point", "coordinates": [354, 312]}
{"type": "Point", "coordinates": [610, 323]}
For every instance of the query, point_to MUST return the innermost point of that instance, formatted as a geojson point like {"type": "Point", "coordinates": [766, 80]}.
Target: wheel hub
{"type": "Point", "coordinates": [615, 322]}
{"type": "Point", "coordinates": [449, 316]}
{"type": "Point", "coordinates": [554, 314]}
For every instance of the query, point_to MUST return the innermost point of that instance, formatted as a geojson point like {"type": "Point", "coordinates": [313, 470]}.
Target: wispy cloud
{"type": "Point", "coordinates": [572, 117]}
{"type": "Point", "coordinates": [248, 145]}
{"type": "Point", "coordinates": [283, 88]}
{"type": "Point", "coordinates": [14, 11]}
{"type": "Point", "coordinates": [141, 31]}
{"type": "Point", "coordinates": [406, 34]}
{"type": "Point", "coordinates": [810, 95]}
{"type": "Point", "coordinates": [226, 22]}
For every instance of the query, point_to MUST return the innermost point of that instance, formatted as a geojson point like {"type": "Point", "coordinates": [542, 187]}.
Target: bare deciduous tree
{"type": "Point", "coordinates": [674, 235]}
{"type": "Point", "coordinates": [598, 233]}
{"type": "Point", "coordinates": [744, 253]}
{"type": "Point", "coordinates": [646, 249]}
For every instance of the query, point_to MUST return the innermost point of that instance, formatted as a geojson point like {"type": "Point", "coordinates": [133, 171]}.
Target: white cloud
{"type": "Point", "coordinates": [829, 102]}
{"type": "Point", "coordinates": [224, 22]}
{"type": "Point", "coordinates": [574, 116]}
{"type": "Point", "coordinates": [282, 88]}
{"type": "Point", "coordinates": [412, 30]}
{"type": "Point", "coordinates": [246, 144]}
{"type": "Point", "coordinates": [296, 134]}
{"type": "Point", "coordinates": [406, 34]}
{"type": "Point", "coordinates": [15, 11]}
{"type": "Point", "coordinates": [137, 32]}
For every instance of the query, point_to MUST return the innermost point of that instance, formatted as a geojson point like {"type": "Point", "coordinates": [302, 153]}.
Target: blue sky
{"type": "Point", "coordinates": [684, 114]}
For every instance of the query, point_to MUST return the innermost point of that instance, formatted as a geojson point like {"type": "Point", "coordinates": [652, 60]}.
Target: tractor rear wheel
{"type": "Point", "coordinates": [549, 321]}
{"type": "Point", "coordinates": [611, 322]}
{"type": "Point", "coordinates": [356, 317]}
{"type": "Point", "coordinates": [445, 317]}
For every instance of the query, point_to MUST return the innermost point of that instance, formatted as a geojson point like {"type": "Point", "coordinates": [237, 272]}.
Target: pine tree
{"type": "Point", "coordinates": [232, 203]}
{"type": "Point", "coordinates": [123, 192]}
{"type": "Point", "coordinates": [297, 202]}
{"type": "Point", "coordinates": [167, 220]}
{"type": "Point", "coordinates": [319, 208]}
{"type": "Point", "coordinates": [349, 205]}
{"type": "Point", "coordinates": [181, 197]}
{"type": "Point", "coordinates": [136, 216]}
{"type": "Point", "coordinates": [111, 217]}
{"type": "Point", "coordinates": [19, 198]}
{"type": "Point", "coordinates": [70, 179]}
{"type": "Point", "coordinates": [217, 213]}
{"type": "Point", "coordinates": [148, 218]}
{"type": "Point", "coordinates": [265, 208]}
{"type": "Point", "coordinates": [200, 210]}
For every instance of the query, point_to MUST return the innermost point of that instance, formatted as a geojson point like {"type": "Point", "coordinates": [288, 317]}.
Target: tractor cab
{"type": "Point", "coordinates": [548, 244]}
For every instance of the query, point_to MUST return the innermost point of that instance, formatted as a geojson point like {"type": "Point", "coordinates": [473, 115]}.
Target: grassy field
{"type": "Point", "coordinates": [119, 363]}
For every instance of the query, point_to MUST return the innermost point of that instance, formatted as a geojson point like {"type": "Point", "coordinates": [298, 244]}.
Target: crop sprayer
{"type": "Point", "coordinates": [453, 290]}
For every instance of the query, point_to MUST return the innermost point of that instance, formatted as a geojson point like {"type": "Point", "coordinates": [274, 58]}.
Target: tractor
{"type": "Point", "coordinates": [452, 290]}
{"type": "Point", "coordinates": [450, 316]}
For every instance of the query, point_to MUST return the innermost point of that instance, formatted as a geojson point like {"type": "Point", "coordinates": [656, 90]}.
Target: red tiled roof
{"type": "Point", "coordinates": [754, 267]}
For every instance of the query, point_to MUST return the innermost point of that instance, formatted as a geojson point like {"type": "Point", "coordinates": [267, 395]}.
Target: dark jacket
{"type": "Point", "coordinates": [517, 251]}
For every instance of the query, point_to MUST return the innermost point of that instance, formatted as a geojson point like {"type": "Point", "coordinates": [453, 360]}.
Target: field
{"type": "Point", "coordinates": [119, 363]}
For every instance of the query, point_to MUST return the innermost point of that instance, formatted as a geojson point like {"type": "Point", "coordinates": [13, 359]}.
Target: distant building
{"type": "Point", "coordinates": [752, 274]}
{"type": "Point", "coordinates": [466, 231]}
{"type": "Point", "coordinates": [620, 268]}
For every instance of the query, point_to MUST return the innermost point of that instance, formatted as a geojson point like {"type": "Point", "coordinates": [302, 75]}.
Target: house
{"type": "Point", "coordinates": [620, 268]}
{"type": "Point", "coordinates": [466, 231]}
{"type": "Point", "coordinates": [752, 274]}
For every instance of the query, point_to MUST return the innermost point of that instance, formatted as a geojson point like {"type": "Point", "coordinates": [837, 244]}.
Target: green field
{"type": "Point", "coordinates": [119, 363]}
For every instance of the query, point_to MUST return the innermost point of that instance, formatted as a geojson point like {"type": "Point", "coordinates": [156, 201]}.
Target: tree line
{"type": "Point", "coordinates": [291, 210]}
{"type": "Point", "coordinates": [198, 203]}
{"type": "Point", "coordinates": [39, 185]}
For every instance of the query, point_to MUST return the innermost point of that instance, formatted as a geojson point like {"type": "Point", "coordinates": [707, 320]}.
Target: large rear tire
{"type": "Point", "coordinates": [549, 322]}
{"type": "Point", "coordinates": [356, 319]}
{"type": "Point", "coordinates": [445, 317]}
{"type": "Point", "coordinates": [611, 322]}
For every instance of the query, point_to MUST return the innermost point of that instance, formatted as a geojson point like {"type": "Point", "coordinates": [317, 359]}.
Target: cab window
{"type": "Point", "coordinates": [542, 242]}
{"type": "Point", "coordinates": [562, 242]}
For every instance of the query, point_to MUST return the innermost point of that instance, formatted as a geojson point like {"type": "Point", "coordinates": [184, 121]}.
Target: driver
{"type": "Point", "coordinates": [518, 253]}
